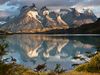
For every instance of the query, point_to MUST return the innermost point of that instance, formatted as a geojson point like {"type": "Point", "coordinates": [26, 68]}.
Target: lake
{"type": "Point", "coordinates": [31, 50]}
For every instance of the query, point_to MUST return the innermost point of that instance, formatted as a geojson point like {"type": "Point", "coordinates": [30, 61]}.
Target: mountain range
{"type": "Point", "coordinates": [91, 28]}
{"type": "Point", "coordinates": [31, 20]}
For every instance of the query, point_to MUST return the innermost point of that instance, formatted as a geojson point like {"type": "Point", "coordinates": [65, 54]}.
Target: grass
{"type": "Point", "coordinates": [79, 73]}
{"type": "Point", "coordinates": [92, 66]}
{"type": "Point", "coordinates": [14, 69]}
{"type": "Point", "coordinates": [11, 69]}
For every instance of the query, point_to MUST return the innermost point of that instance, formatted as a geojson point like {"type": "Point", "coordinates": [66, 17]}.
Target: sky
{"type": "Point", "coordinates": [12, 7]}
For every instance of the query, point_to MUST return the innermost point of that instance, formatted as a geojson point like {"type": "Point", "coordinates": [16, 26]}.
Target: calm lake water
{"type": "Point", "coordinates": [31, 50]}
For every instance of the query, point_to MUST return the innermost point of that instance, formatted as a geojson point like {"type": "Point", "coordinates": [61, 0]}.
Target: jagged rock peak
{"type": "Point", "coordinates": [88, 11]}
{"type": "Point", "coordinates": [26, 8]}
{"type": "Point", "coordinates": [44, 8]}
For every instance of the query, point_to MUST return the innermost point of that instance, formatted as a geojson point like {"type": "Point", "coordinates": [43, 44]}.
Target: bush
{"type": "Point", "coordinates": [92, 66]}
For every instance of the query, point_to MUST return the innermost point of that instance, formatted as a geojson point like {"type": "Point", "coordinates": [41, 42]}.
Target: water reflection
{"type": "Point", "coordinates": [31, 50]}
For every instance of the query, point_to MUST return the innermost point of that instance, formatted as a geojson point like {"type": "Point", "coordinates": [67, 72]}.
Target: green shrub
{"type": "Point", "coordinates": [92, 66]}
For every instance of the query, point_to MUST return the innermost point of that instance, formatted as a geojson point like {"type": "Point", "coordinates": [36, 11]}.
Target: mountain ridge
{"type": "Point", "coordinates": [92, 28]}
{"type": "Point", "coordinates": [30, 21]}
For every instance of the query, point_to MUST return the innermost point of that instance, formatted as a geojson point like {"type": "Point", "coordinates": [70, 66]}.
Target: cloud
{"type": "Point", "coordinates": [7, 6]}
{"type": "Point", "coordinates": [4, 14]}
{"type": "Point", "coordinates": [55, 3]}
{"type": "Point", "coordinates": [15, 5]}
{"type": "Point", "coordinates": [3, 1]}
{"type": "Point", "coordinates": [8, 9]}
{"type": "Point", "coordinates": [90, 4]}
{"type": "Point", "coordinates": [40, 3]}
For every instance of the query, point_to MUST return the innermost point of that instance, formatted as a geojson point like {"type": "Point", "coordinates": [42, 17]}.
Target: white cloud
{"type": "Point", "coordinates": [13, 5]}
{"type": "Point", "coordinates": [90, 4]}
{"type": "Point", "coordinates": [6, 9]}
{"type": "Point", "coordinates": [4, 14]}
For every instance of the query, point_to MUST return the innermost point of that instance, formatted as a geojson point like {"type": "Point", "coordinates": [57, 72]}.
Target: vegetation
{"type": "Point", "coordinates": [2, 49]}
{"type": "Point", "coordinates": [15, 69]}
{"type": "Point", "coordinates": [11, 69]}
{"type": "Point", "coordinates": [92, 66]}
{"type": "Point", "coordinates": [3, 45]}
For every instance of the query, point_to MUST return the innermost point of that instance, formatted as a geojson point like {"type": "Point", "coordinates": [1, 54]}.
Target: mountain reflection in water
{"type": "Point", "coordinates": [31, 50]}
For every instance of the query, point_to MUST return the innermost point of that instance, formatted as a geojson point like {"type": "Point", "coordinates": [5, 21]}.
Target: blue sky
{"type": "Point", "coordinates": [11, 7]}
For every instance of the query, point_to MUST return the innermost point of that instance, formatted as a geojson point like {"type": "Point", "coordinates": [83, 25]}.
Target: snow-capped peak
{"type": "Point", "coordinates": [88, 11]}
{"type": "Point", "coordinates": [45, 12]}
{"type": "Point", "coordinates": [33, 14]}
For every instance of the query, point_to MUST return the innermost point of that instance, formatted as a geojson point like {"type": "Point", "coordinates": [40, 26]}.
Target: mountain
{"type": "Point", "coordinates": [26, 21]}
{"type": "Point", "coordinates": [92, 28]}
{"type": "Point", "coordinates": [31, 20]}
{"type": "Point", "coordinates": [75, 18]}
{"type": "Point", "coordinates": [2, 20]}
